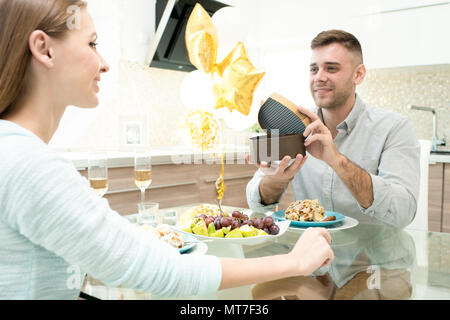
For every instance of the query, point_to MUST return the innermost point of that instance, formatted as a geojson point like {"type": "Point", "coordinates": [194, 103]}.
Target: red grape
{"type": "Point", "coordinates": [209, 220]}
{"type": "Point", "coordinates": [226, 221]}
{"type": "Point", "coordinates": [258, 224]}
{"type": "Point", "coordinates": [236, 214]}
{"type": "Point", "coordinates": [274, 229]}
{"type": "Point", "coordinates": [235, 224]}
{"type": "Point", "coordinates": [217, 224]}
{"type": "Point", "coordinates": [249, 222]}
{"type": "Point", "coordinates": [268, 222]}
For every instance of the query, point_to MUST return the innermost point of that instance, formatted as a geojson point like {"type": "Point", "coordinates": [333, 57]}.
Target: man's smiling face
{"type": "Point", "coordinates": [332, 72]}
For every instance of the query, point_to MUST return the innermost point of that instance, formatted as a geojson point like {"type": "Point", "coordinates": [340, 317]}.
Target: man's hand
{"type": "Point", "coordinates": [320, 144]}
{"type": "Point", "coordinates": [277, 178]}
{"type": "Point", "coordinates": [282, 172]}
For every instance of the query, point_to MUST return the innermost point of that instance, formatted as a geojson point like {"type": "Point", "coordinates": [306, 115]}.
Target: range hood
{"type": "Point", "coordinates": [168, 50]}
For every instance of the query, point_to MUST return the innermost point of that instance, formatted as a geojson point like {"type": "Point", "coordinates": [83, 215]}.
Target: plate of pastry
{"type": "Point", "coordinates": [309, 213]}
{"type": "Point", "coordinates": [185, 243]}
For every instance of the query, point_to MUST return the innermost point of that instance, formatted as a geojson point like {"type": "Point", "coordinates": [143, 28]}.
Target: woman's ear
{"type": "Point", "coordinates": [360, 74]}
{"type": "Point", "coordinates": [39, 43]}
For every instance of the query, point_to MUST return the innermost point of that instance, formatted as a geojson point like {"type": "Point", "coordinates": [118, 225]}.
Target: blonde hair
{"type": "Point", "coordinates": [18, 19]}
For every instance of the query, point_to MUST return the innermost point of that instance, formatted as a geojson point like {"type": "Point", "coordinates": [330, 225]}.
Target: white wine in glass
{"type": "Point", "coordinates": [98, 173]}
{"type": "Point", "coordinates": [100, 186]}
{"type": "Point", "coordinates": [142, 172]}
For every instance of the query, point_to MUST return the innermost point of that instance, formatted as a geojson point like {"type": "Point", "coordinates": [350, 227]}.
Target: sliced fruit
{"type": "Point", "coordinates": [217, 234]}
{"type": "Point", "coordinates": [211, 228]}
{"type": "Point", "coordinates": [186, 228]}
{"type": "Point", "coordinates": [236, 233]}
{"type": "Point", "coordinates": [248, 231]}
{"type": "Point", "coordinates": [195, 221]}
{"type": "Point", "coordinates": [200, 229]}
{"type": "Point", "coordinates": [226, 229]}
{"type": "Point", "coordinates": [262, 232]}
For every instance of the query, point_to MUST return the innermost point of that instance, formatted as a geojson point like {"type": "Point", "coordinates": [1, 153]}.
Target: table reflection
{"type": "Point", "coordinates": [371, 262]}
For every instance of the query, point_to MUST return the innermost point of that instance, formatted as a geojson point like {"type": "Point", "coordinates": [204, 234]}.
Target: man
{"type": "Point", "coordinates": [363, 161]}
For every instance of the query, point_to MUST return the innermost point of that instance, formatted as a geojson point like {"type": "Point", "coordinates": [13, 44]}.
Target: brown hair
{"type": "Point", "coordinates": [338, 36]}
{"type": "Point", "coordinates": [18, 19]}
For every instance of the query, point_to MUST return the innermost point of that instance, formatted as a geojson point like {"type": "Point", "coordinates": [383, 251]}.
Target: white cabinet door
{"type": "Point", "coordinates": [411, 37]}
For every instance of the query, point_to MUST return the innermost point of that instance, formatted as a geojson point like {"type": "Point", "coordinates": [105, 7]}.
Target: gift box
{"type": "Point", "coordinates": [284, 125]}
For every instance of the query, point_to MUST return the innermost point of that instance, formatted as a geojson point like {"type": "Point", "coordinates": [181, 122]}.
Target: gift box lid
{"type": "Point", "coordinates": [280, 113]}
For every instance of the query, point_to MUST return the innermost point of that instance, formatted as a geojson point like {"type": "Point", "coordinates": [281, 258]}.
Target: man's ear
{"type": "Point", "coordinates": [39, 43]}
{"type": "Point", "coordinates": [359, 74]}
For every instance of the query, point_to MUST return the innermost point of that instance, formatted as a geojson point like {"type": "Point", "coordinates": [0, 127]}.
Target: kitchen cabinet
{"type": "Point", "coordinates": [435, 196]}
{"type": "Point", "coordinates": [439, 197]}
{"type": "Point", "coordinates": [404, 37]}
{"type": "Point", "coordinates": [446, 200]}
{"type": "Point", "coordinates": [176, 185]}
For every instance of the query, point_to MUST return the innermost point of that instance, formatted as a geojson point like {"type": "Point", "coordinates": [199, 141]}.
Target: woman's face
{"type": "Point", "coordinates": [77, 65]}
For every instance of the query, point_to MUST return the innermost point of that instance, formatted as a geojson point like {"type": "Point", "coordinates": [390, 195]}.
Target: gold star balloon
{"type": "Point", "coordinates": [235, 80]}
{"type": "Point", "coordinates": [201, 39]}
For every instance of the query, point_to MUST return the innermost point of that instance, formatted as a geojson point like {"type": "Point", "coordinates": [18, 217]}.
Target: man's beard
{"type": "Point", "coordinates": [339, 99]}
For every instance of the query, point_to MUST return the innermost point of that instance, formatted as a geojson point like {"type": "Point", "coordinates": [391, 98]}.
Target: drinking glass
{"type": "Point", "coordinates": [98, 172]}
{"type": "Point", "coordinates": [169, 217]}
{"type": "Point", "coordinates": [149, 213]}
{"type": "Point", "coordinates": [142, 171]}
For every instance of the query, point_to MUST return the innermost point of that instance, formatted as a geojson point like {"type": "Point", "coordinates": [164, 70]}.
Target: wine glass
{"type": "Point", "coordinates": [142, 171]}
{"type": "Point", "coordinates": [98, 172]}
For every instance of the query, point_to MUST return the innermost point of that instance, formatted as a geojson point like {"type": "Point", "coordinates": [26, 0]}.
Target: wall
{"type": "Point", "coordinates": [143, 93]}
{"type": "Point", "coordinates": [395, 88]}
{"type": "Point", "coordinates": [133, 91]}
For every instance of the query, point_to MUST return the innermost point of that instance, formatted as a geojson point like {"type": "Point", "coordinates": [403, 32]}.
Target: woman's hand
{"type": "Point", "coordinates": [312, 251]}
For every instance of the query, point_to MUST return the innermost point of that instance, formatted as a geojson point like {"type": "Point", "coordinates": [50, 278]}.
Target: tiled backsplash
{"type": "Point", "coordinates": [393, 89]}
{"type": "Point", "coordinates": [154, 95]}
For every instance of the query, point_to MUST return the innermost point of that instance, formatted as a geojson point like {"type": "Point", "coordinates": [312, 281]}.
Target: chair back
{"type": "Point", "coordinates": [420, 221]}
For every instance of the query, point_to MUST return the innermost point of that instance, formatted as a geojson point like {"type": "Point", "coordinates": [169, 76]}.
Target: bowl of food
{"type": "Point", "coordinates": [238, 228]}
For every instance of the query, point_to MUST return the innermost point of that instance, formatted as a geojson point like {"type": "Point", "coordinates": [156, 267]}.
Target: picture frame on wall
{"type": "Point", "coordinates": [133, 132]}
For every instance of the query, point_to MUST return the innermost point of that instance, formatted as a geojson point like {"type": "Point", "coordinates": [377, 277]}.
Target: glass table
{"type": "Point", "coordinates": [372, 261]}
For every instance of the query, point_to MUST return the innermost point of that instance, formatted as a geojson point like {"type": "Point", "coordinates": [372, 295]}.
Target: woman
{"type": "Point", "coordinates": [50, 220]}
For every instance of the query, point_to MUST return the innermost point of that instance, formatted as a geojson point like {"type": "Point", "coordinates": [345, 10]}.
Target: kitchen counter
{"type": "Point", "coordinates": [162, 155]}
{"type": "Point", "coordinates": [439, 158]}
